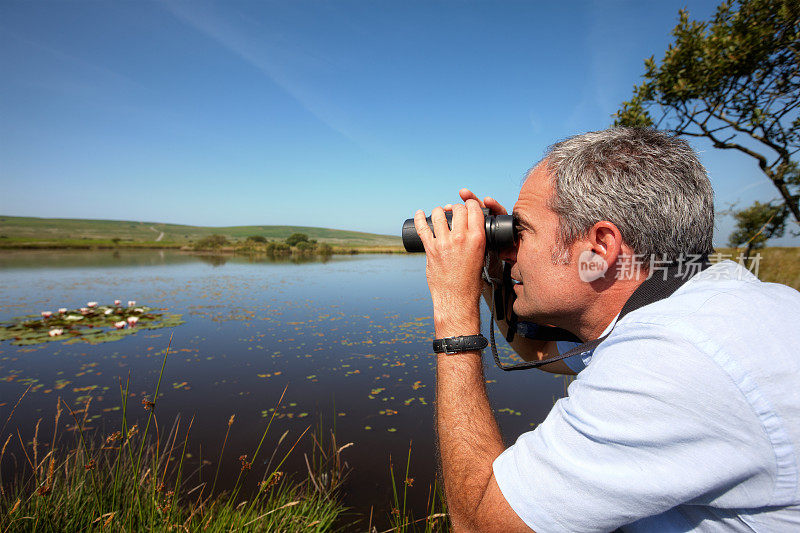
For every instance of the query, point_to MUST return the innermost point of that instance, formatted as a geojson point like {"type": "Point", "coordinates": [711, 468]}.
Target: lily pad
{"type": "Point", "coordinates": [94, 326]}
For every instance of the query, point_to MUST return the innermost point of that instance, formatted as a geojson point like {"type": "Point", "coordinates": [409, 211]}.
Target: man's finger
{"type": "Point", "coordinates": [494, 206]}
{"type": "Point", "coordinates": [467, 194]}
{"type": "Point", "coordinates": [423, 230]}
{"type": "Point", "coordinates": [460, 221]}
{"type": "Point", "coordinates": [475, 217]}
{"type": "Point", "coordinates": [440, 228]}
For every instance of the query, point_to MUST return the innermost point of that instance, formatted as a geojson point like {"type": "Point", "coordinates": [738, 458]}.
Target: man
{"type": "Point", "coordinates": [687, 416]}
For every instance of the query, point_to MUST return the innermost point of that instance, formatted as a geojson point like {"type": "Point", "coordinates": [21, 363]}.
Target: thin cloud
{"type": "Point", "coordinates": [269, 55]}
{"type": "Point", "coordinates": [76, 83]}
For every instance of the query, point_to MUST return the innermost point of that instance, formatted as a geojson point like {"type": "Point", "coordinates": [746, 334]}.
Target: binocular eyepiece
{"type": "Point", "coordinates": [501, 232]}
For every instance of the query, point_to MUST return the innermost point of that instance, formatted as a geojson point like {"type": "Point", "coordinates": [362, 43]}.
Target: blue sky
{"type": "Point", "coordinates": [346, 114]}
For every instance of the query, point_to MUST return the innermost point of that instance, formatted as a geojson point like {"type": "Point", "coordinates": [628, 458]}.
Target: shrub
{"type": "Point", "coordinates": [305, 247]}
{"type": "Point", "coordinates": [277, 247]}
{"type": "Point", "coordinates": [257, 238]}
{"type": "Point", "coordinates": [211, 241]}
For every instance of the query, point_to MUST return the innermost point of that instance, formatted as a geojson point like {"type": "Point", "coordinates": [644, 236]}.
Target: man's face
{"type": "Point", "coordinates": [550, 290]}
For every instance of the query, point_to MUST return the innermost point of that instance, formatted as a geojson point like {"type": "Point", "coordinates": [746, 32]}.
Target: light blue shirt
{"type": "Point", "coordinates": [686, 418]}
{"type": "Point", "coordinates": [578, 362]}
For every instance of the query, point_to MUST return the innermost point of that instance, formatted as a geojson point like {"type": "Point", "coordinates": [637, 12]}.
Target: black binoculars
{"type": "Point", "coordinates": [501, 232]}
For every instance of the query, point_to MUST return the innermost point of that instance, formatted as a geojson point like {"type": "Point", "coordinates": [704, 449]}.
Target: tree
{"type": "Point", "coordinates": [295, 238]}
{"type": "Point", "coordinates": [211, 241]}
{"type": "Point", "coordinates": [757, 224]}
{"type": "Point", "coordinates": [257, 238]}
{"type": "Point", "coordinates": [734, 81]}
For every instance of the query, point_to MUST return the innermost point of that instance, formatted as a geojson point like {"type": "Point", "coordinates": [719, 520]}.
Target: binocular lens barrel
{"type": "Point", "coordinates": [500, 232]}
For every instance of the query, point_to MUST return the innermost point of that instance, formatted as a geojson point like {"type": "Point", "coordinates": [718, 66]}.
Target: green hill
{"type": "Point", "coordinates": [39, 232]}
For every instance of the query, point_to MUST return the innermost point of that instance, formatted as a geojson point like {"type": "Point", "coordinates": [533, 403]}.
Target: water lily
{"type": "Point", "coordinates": [85, 310]}
{"type": "Point", "coordinates": [74, 317]}
{"type": "Point", "coordinates": [108, 311]}
{"type": "Point", "coordinates": [46, 314]}
{"type": "Point", "coordinates": [56, 331]}
{"type": "Point", "coordinates": [132, 320]}
{"type": "Point", "coordinates": [138, 310]}
{"type": "Point", "coordinates": [131, 303]}
{"type": "Point", "coordinates": [120, 324]}
{"type": "Point", "coordinates": [117, 302]}
{"type": "Point", "coordinates": [91, 304]}
{"type": "Point", "coordinates": [62, 310]}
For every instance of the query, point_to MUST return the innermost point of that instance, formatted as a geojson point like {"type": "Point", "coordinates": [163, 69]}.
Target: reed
{"type": "Point", "coordinates": [402, 518]}
{"type": "Point", "coordinates": [135, 481]}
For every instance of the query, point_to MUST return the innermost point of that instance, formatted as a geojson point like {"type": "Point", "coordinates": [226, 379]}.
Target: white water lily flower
{"type": "Point", "coordinates": [120, 324]}
{"type": "Point", "coordinates": [132, 320]}
{"type": "Point", "coordinates": [56, 331]}
{"type": "Point", "coordinates": [62, 310]}
{"type": "Point", "coordinates": [117, 302]}
{"type": "Point", "coordinates": [74, 317]}
{"type": "Point", "coordinates": [138, 310]}
{"type": "Point", "coordinates": [91, 304]}
{"type": "Point", "coordinates": [109, 311]}
{"type": "Point", "coordinates": [131, 303]}
{"type": "Point", "coordinates": [85, 310]}
{"type": "Point", "coordinates": [46, 314]}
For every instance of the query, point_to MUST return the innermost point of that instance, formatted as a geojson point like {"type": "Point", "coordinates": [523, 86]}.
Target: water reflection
{"type": "Point", "coordinates": [349, 335]}
{"type": "Point", "coordinates": [214, 260]}
{"type": "Point", "coordinates": [28, 259]}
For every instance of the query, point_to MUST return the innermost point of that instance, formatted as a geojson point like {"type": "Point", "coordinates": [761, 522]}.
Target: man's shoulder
{"type": "Point", "coordinates": [708, 328]}
{"type": "Point", "coordinates": [722, 297]}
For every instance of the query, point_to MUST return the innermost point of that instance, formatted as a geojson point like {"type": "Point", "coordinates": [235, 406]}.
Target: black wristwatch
{"type": "Point", "coordinates": [464, 343]}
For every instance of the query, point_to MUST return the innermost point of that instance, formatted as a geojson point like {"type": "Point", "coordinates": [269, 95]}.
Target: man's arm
{"type": "Point", "coordinates": [469, 442]}
{"type": "Point", "coordinates": [469, 439]}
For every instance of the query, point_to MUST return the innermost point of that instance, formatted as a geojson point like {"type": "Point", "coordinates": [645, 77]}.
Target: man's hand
{"type": "Point", "coordinates": [454, 263]}
{"type": "Point", "coordinates": [494, 206]}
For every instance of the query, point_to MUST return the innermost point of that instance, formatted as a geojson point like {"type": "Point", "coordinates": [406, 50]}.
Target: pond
{"type": "Point", "coordinates": [347, 336]}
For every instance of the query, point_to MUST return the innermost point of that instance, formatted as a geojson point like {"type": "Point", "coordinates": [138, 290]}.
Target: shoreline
{"type": "Point", "coordinates": [89, 245]}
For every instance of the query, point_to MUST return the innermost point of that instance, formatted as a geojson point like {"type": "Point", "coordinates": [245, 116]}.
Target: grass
{"type": "Point", "coordinates": [24, 243]}
{"type": "Point", "coordinates": [136, 480]}
{"type": "Point", "coordinates": [776, 265]}
{"type": "Point", "coordinates": [32, 232]}
{"type": "Point", "coordinates": [402, 518]}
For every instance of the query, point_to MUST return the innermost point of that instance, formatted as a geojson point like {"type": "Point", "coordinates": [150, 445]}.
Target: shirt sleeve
{"type": "Point", "coordinates": [652, 423]}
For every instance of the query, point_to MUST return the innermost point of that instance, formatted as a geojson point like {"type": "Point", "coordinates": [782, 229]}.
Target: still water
{"type": "Point", "coordinates": [349, 336]}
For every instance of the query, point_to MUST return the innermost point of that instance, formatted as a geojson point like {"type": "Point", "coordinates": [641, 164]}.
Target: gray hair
{"type": "Point", "coordinates": [648, 183]}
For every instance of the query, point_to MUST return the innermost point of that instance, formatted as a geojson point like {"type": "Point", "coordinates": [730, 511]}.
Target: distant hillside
{"type": "Point", "coordinates": [16, 229]}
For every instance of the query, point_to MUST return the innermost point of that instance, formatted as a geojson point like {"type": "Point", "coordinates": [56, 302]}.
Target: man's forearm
{"type": "Point", "coordinates": [469, 439]}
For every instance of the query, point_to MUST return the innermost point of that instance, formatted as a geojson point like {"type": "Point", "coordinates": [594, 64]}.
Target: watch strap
{"type": "Point", "coordinates": [464, 343]}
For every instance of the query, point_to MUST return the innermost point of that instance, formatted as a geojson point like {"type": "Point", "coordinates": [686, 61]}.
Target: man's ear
{"type": "Point", "coordinates": [605, 240]}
